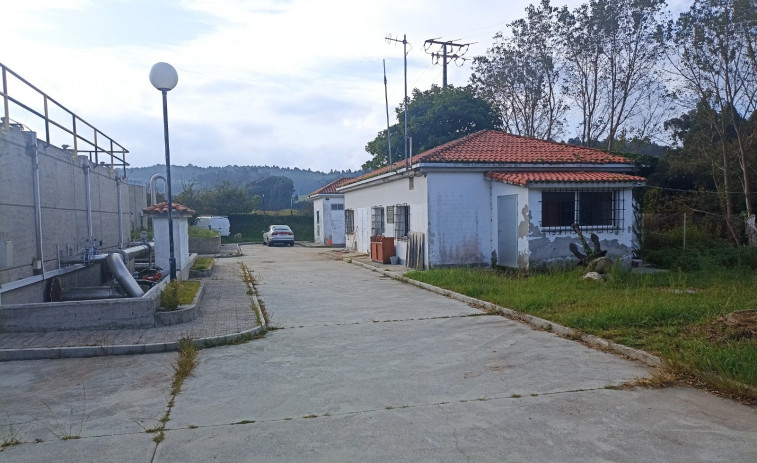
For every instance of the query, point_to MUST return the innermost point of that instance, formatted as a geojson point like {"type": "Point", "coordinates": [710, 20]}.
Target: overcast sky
{"type": "Point", "coordinates": [295, 83]}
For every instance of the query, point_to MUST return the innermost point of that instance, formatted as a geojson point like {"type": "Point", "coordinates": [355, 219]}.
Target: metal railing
{"type": "Point", "coordinates": [99, 142]}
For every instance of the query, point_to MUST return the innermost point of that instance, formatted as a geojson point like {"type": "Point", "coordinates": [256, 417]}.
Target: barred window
{"type": "Point", "coordinates": [349, 221]}
{"type": "Point", "coordinates": [401, 221]}
{"type": "Point", "coordinates": [592, 209]}
{"type": "Point", "coordinates": [337, 207]}
{"type": "Point", "coordinates": [377, 221]}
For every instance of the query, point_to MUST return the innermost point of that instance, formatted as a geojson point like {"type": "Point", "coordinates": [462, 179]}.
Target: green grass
{"type": "Point", "coordinates": [674, 315]}
{"type": "Point", "coordinates": [199, 232]}
{"type": "Point", "coordinates": [178, 293]}
{"type": "Point", "coordinates": [202, 263]}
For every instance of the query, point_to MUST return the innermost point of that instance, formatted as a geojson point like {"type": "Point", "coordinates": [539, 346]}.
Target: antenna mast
{"type": "Point", "coordinates": [405, 104]}
{"type": "Point", "coordinates": [388, 133]}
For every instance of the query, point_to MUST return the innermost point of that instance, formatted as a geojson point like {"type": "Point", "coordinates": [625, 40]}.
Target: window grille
{"type": "Point", "coordinates": [349, 221]}
{"type": "Point", "coordinates": [401, 221]}
{"type": "Point", "coordinates": [377, 221]}
{"type": "Point", "coordinates": [591, 209]}
{"type": "Point", "coordinates": [337, 207]}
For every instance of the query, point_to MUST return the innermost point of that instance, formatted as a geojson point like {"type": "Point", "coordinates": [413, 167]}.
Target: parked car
{"type": "Point", "coordinates": [278, 234]}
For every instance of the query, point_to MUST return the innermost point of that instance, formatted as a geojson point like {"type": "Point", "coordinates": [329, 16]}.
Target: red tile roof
{"type": "Point", "coordinates": [162, 208]}
{"type": "Point", "coordinates": [526, 178]}
{"type": "Point", "coordinates": [494, 146]}
{"type": "Point", "coordinates": [330, 189]}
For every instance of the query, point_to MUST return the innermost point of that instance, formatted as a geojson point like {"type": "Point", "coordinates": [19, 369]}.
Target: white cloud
{"type": "Point", "coordinates": [293, 83]}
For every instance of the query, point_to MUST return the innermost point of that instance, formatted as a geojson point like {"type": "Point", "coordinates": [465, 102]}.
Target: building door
{"type": "Point", "coordinates": [507, 231]}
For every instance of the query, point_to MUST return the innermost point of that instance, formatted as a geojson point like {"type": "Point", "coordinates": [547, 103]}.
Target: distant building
{"type": "Point", "coordinates": [328, 214]}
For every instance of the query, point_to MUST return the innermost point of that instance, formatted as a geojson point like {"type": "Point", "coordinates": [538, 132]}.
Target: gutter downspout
{"type": "Point", "coordinates": [88, 191]}
{"type": "Point", "coordinates": [31, 149]}
{"type": "Point", "coordinates": [120, 217]}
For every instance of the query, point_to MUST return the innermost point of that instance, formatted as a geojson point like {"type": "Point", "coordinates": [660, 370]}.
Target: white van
{"type": "Point", "coordinates": [219, 223]}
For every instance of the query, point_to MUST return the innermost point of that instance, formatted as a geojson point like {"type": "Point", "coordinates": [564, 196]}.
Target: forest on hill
{"type": "Point", "coordinates": [304, 181]}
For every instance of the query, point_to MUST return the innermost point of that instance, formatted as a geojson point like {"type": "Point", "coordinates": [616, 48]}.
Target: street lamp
{"type": "Point", "coordinates": [163, 76]}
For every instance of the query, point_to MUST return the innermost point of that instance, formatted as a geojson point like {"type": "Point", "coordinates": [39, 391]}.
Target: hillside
{"type": "Point", "coordinates": [305, 181]}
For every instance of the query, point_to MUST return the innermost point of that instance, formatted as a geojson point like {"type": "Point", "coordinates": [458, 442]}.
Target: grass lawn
{"type": "Point", "coordinates": [202, 263]}
{"type": "Point", "coordinates": [674, 315]}
{"type": "Point", "coordinates": [178, 292]}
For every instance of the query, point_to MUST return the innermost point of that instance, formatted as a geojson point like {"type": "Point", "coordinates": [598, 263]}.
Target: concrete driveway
{"type": "Point", "coordinates": [364, 368]}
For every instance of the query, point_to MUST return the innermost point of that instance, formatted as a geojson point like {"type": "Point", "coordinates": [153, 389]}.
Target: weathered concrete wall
{"type": "Point", "coordinates": [211, 245]}
{"type": "Point", "coordinates": [459, 218]}
{"type": "Point", "coordinates": [82, 315]}
{"type": "Point", "coordinates": [63, 208]}
{"type": "Point", "coordinates": [397, 191]}
{"type": "Point", "coordinates": [549, 247]}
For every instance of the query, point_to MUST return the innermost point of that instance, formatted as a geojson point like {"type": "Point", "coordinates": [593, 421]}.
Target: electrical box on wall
{"type": "Point", "coordinates": [6, 254]}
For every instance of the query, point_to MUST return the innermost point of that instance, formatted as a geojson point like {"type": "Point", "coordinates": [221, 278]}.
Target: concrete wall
{"type": "Point", "coordinates": [82, 315]}
{"type": "Point", "coordinates": [553, 247]}
{"type": "Point", "coordinates": [63, 211]}
{"type": "Point", "coordinates": [210, 245]}
{"type": "Point", "coordinates": [400, 190]}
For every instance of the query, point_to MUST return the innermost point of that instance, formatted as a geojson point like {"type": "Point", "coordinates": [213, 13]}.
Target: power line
{"type": "Point", "coordinates": [456, 53]}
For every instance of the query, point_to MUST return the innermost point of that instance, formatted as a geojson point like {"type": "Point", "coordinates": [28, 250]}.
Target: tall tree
{"type": "Point", "coordinates": [612, 71]}
{"type": "Point", "coordinates": [713, 53]}
{"type": "Point", "coordinates": [520, 75]}
{"type": "Point", "coordinates": [435, 116]}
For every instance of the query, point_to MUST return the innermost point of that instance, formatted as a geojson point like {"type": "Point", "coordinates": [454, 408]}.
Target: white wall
{"type": "Point", "coordinates": [460, 219]}
{"type": "Point", "coordinates": [162, 244]}
{"type": "Point", "coordinates": [391, 193]}
{"type": "Point", "coordinates": [318, 220]}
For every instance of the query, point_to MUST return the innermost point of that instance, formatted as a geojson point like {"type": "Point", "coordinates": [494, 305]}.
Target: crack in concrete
{"type": "Point", "coordinates": [389, 408]}
{"type": "Point", "coordinates": [473, 314]}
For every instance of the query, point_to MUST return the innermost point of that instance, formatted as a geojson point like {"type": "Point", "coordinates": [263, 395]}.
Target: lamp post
{"type": "Point", "coordinates": [163, 76]}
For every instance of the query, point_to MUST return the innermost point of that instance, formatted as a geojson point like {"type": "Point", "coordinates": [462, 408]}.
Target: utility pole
{"type": "Point", "coordinates": [447, 52]}
{"type": "Point", "coordinates": [404, 44]}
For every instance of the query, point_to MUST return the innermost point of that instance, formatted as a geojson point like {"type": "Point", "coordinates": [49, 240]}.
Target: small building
{"type": "Point", "coordinates": [494, 198]}
{"type": "Point", "coordinates": [181, 215]}
{"type": "Point", "coordinates": [328, 214]}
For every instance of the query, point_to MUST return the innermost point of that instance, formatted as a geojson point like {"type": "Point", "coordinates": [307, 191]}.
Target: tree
{"type": "Point", "coordinates": [611, 67]}
{"type": "Point", "coordinates": [713, 53]}
{"type": "Point", "coordinates": [224, 199]}
{"type": "Point", "coordinates": [435, 116]}
{"type": "Point", "coordinates": [276, 192]}
{"type": "Point", "coordinates": [520, 75]}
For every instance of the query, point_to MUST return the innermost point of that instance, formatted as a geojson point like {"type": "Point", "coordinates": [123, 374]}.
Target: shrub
{"type": "Point", "coordinates": [169, 297]}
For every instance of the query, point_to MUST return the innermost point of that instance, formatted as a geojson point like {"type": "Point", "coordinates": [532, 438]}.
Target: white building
{"type": "Point", "coordinates": [328, 214]}
{"type": "Point", "coordinates": [492, 197]}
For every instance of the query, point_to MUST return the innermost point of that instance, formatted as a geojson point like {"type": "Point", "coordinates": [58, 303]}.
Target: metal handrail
{"type": "Point", "coordinates": [93, 153]}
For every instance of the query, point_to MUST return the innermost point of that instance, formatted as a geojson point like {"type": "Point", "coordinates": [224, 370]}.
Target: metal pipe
{"type": "Point", "coordinates": [153, 182]}
{"type": "Point", "coordinates": [31, 149]}
{"type": "Point", "coordinates": [122, 274]}
{"type": "Point", "coordinates": [88, 191]}
{"type": "Point", "coordinates": [90, 294]}
{"type": "Point", "coordinates": [120, 217]}
{"type": "Point", "coordinates": [130, 253]}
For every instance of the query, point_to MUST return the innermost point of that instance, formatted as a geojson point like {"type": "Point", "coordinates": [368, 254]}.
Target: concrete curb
{"type": "Point", "coordinates": [100, 351]}
{"type": "Point", "coordinates": [536, 322]}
